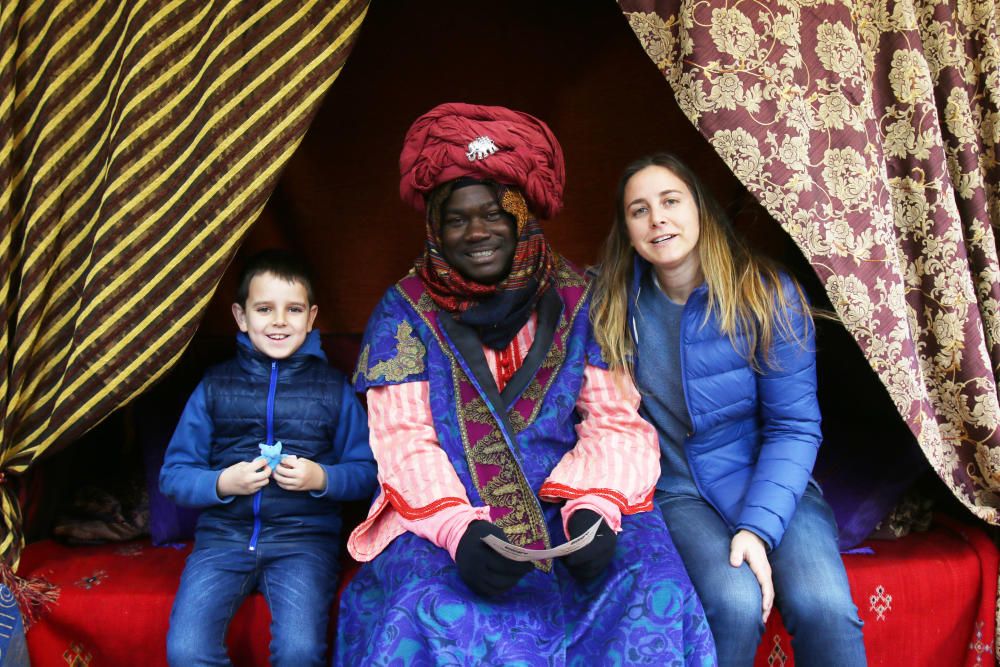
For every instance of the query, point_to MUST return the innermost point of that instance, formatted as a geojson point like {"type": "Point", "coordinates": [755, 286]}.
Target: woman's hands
{"type": "Point", "coordinates": [746, 546]}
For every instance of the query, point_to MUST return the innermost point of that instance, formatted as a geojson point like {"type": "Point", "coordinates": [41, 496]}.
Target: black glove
{"type": "Point", "coordinates": [483, 570]}
{"type": "Point", "coordinates": [591, 560]}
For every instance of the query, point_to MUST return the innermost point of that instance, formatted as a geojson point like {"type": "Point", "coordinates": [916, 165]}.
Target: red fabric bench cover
{"type": "Point", "coordinates": [114, 606]}
{"type": "Point", "coordinates": [927, 599]}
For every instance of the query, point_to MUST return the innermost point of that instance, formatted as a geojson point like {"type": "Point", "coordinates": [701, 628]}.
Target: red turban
{"type": "Point", "coordinates": [490, 143]}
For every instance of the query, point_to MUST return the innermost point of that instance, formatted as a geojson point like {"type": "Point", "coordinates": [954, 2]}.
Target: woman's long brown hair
{"type": "Point", "coordinates": [744, 290]}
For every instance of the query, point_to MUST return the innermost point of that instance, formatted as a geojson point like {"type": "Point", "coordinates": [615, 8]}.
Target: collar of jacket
{"type": "Point", "coordinates": [254, 361]}
{"type": "Point", "coordinates": [640, 268]}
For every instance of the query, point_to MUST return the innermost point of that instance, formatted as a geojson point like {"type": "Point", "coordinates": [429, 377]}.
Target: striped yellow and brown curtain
{"type": "Point", "coordinates": [138, 142]}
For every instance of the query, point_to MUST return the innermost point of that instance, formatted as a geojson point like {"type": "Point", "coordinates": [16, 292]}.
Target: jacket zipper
{"type": "Point", "coordinates": [687, 404]}
{"type": "Point", "coordinates": [270, 441]}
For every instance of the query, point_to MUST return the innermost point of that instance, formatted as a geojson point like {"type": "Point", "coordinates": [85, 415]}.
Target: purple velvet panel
{"type": "Point", "coordinates": [869, 457]}
{"type": "Point", "coordinates": [156, 416]}
{"type": "Point", "coordinates": [863, 472]}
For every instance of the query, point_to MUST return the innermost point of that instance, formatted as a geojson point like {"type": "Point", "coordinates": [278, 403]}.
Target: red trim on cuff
{"type": "Point", "coordinates": [411, 513]}
{"type": "Point", "coordinates": [554, 490]}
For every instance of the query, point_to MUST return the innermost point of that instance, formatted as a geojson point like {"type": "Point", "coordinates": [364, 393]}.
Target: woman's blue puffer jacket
{"type": "Point", "coordinates": [754, 435]}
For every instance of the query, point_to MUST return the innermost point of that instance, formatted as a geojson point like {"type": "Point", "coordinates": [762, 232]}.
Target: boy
{"type": "Point", "coordinates": [269, 444]}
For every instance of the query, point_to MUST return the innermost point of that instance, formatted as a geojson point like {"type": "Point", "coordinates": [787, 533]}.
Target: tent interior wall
{"type": "Point", "coordinates": [337, 204]}
{"type": "Point", "coordinates": [577, 66]}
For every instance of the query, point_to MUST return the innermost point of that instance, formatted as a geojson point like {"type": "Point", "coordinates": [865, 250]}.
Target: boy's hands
{"type": "Point", "coordinates": [243, 478]}
{"type": "Point", "coordinates": [481, 568]}
{"type": "Point", "coordinates": [292, 474]}
{"type": "Point", "coordinates": [298, 474]}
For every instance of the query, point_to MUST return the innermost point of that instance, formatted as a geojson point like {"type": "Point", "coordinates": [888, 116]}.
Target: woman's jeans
{"type": "Point", "coordinates": [298, 581]}
{"type": "Point", "coordinates": [810, 584]}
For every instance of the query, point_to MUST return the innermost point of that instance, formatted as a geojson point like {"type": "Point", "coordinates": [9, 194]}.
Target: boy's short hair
{"type": "Point", "coordinates": [279, 263]}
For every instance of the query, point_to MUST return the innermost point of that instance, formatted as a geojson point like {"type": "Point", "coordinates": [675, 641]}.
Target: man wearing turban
{"type": "Point", "coordinates": [492, 414]}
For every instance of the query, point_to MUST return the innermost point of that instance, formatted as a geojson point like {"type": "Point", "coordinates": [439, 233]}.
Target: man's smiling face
{"type": "Point", "coordinates": [478, 237]}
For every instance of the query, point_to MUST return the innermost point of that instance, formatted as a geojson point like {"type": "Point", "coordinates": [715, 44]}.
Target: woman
{"type": "Point", "coordinates": [721, 346]}
{"type": "Point", "coordinates": [492, 414]}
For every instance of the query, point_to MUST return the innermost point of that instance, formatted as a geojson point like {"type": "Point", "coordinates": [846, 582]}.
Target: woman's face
{"type": "Point", "coordinates": [477, 236]}
{"type": "Point", "coordinates": [662, 219]}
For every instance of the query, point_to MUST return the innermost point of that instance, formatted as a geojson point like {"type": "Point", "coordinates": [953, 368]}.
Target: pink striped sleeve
{"type": "Point", "coordinates": [414, 471]}
{"type": "Point", "coordinates": [617, 456]}
{"type": "Point", "coordinates": [416, 479]}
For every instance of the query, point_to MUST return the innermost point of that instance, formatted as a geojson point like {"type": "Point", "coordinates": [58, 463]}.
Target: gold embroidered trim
{"type": "Point", "coordinates": [362, 366]}
{"type": "Point", "coordinates": [409, 359]}
{"type": "Point", "coordinates": [534, 392]}
{"type": "Point", "coordinates": [513, 202]}
{"type": "Point", "coordinates": [557, 356]}
{"type": "Point", "coordinates": [476, 411]}
{"type": "Point", "coordinates": [525, 523]}
{"type": "Point", "coordinates": [517, 422]}
{"type": "Point", "coordinates": [567, 277]}
{"type": "Point", "coordinates": [554, 359]}
{"type": "Point", "coordinates": [425, 304]}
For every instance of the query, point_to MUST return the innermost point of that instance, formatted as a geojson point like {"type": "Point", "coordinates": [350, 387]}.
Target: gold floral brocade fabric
{"type": "Point", "coordinates": [870, 132]}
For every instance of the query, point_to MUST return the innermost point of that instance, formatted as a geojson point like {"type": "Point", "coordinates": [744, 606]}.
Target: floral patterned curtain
{"type": "Point", "coordinates": [870, 131]}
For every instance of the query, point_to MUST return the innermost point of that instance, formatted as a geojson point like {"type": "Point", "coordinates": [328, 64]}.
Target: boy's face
{"type": "Point", "coordinates": [277, 315]}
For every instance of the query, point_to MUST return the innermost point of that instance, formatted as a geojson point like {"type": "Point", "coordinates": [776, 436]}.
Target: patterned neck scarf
{"type": "Point", "coordinates": [497, 312]}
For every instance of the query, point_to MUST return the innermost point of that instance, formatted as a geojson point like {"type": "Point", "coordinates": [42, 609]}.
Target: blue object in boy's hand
{"type": "Point", "coordinates": [272, 454]}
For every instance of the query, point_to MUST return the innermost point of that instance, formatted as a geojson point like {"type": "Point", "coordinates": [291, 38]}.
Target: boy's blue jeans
{"type": "Point", "coordinates": [298, 581]}
{"type": "Point", "coordinates": [810, 584]}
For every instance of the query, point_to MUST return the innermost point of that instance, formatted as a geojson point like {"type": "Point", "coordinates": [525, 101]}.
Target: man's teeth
{"type": "Point", "coordinates": [481, 253]}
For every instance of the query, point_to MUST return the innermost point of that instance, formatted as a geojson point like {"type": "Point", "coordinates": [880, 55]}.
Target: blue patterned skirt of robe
{"type": "Point", "coordinates": [408, 606]}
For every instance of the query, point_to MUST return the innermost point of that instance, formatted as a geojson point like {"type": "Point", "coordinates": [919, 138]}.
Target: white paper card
{"type": "Point", "coordinates": [517, 553]}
